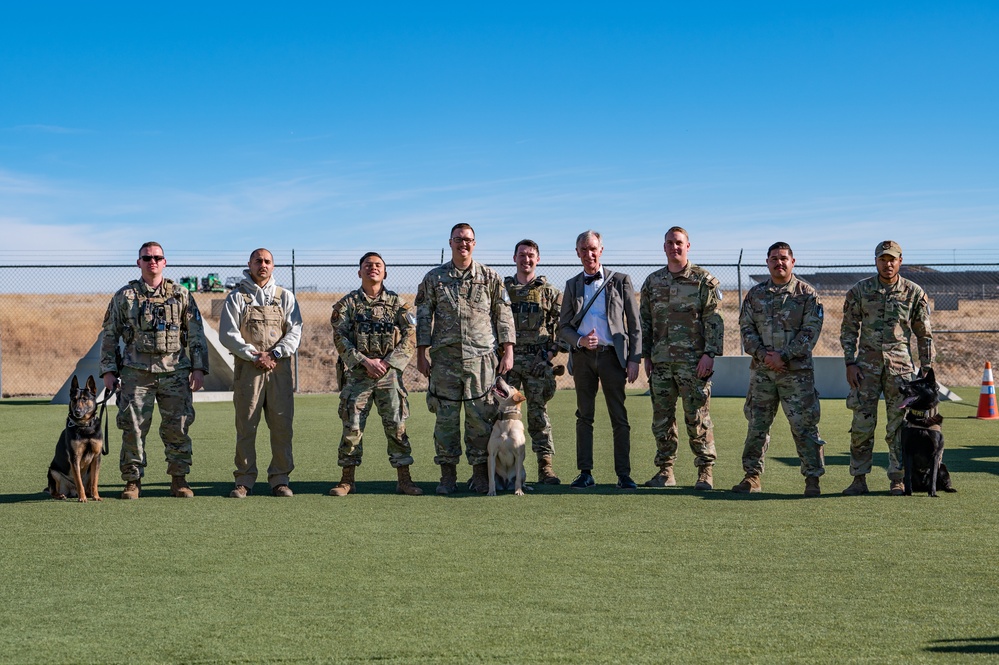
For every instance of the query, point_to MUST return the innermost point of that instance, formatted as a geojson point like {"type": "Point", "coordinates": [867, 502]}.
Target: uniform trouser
{"type": "Point", "coordinates": [271, 392]}
{"type": "Point", "coordinates": [795, 392]}
{"type": "Point", "coordinates": [863, 402]}
{"type": "Point", "coordinates": [390, 396]}
{"type": "Point", "coordinates": [670, 382]}
{"type": "Point", "coordinates": [453, 379]}
{"type": "Point", "coordinates": [139, 391]}
{"type": "Point", "coordinates": [538, 390]}
{"type": "Point", "coordinates": [593, 370]}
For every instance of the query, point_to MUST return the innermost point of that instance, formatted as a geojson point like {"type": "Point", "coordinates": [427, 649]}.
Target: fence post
{"type": "Point", "coordinates": [296, 297]}
{"type": "Point", "coordinates": [738, 272]}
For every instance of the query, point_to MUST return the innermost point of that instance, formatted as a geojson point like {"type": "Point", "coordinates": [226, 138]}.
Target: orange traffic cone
{"type": "Point", "coordinates": [987, 400]}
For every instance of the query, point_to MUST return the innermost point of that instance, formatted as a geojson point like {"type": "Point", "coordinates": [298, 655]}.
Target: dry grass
{"type": "Point", "coordinates": [43, 337]}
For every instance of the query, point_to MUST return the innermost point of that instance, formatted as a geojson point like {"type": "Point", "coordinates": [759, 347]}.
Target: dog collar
{"type": "Point", "coordinates": [929, 413]}
{"type": "Point", "coordinates": [509, 415]}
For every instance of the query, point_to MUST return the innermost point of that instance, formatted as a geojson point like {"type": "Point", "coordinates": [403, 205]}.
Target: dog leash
{"type": "Point", "coordinates": [104, 405]}
{"type": "Point", "coordinates": [460, 399]}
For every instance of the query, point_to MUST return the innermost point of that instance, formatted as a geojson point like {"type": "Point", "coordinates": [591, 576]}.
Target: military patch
{"type": "Point", "coordinates": [718, 292]}
{"type": "Point", "coordinates": [411, 318]}
{"type": "Point", "coordinates": [506, 296]}
{"type": "Point", "coordinates": [419, 298]}
{"type": "Point", "coordinates": [820, 311]}
{"type": "Point", "coordinates": [336, 315]}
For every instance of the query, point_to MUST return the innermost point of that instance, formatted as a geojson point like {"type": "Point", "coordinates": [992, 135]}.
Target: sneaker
{"type": "Point", "coordinates": [239, 492]}
{"type": "Point", "coordinates": [624, 482]}
{"type": "Point", "coordinates": [583, 481]}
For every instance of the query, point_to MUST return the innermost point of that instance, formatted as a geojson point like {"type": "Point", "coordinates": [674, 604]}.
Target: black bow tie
{"type": "Point", "coordinates": [589, 279]}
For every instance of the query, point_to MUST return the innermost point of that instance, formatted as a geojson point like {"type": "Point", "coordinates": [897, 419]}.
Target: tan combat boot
{"type": "Point", "coordinates": [132, 489]}
{"type": "Point", "coordinates": [346, 484]}
{"type": "Point", "coordinates": [546, 476]}
{"type": "Point", "coordinates": [479, 482]}
{"type": "Point", "coordinates": [406, 485]}
{"type": "Point", "coordinates": [663, 478]}
{"type": "Point", "coordinates": [858, 486]}
{"type": "Point", "coordinates": [179, 487]}
{"type": "Point", "coordinates": [449, 479]}
{"type": "Point", "coordinates": [812, 486]}
{"type": "Point", "coordinates": [749, 485]}
{"type": "Point", "coordinates": [897, 488]}
{"type": "Point", "coordinates": [704, 480]}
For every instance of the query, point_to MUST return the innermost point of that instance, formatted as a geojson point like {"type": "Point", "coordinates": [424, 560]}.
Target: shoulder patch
{"type": "Point", "coordinates": [718, 292]}
{"type": "Point", "coordinates": [410, 317]}
{"type": "Point", "coordinates": [820, 311]}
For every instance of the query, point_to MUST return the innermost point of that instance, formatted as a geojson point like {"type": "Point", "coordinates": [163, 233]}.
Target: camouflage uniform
{"type": "Point", "coordinates": [164, 341]}
{"type": "Point", "coordinates": [787, 319]}
{"type": "Point", "coordinates": [680, 323]}
{"type": "Point", "coordinates": [536, 307]}
{"type": "Point", "coordinates": [882, 318]}
{"type": "Point", "coordinates": [380, 327]}
{"type": "Point", "coordinates": [462, 315]}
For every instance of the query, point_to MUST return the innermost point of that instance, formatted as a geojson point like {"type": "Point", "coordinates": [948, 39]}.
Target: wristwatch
{"type": "Point", "coordinates": [276, 353]}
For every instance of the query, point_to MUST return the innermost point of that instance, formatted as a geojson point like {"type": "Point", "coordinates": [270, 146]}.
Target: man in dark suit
{"type": "Point", "coordinates": [599, 321]}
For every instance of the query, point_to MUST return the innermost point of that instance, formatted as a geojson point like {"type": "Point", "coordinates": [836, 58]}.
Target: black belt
{"type": "Point", "coordinates": [603, 348]}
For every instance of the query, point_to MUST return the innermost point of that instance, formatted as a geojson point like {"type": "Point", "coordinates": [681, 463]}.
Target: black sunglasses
{"type": "Point", "coordinates": [148, 258]}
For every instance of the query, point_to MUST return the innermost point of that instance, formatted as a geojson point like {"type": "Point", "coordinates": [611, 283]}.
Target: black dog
{"type": "Point", "coordinates": [922, 440]}
{"type": "Point", "coordinates": [75, 469]}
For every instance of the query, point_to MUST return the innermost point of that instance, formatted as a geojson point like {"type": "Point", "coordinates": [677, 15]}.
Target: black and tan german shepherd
{"type": "Point", "coordinates": [75, 469]}
{"type": "Point", "coordinates": [922, 438]}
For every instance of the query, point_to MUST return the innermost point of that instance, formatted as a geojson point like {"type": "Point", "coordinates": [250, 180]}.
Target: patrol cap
{"type": "Point", "coordinates": [889, 247]}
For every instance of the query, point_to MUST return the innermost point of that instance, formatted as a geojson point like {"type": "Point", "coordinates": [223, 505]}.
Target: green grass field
{"type": "Point", "coordinates": [555, 576]}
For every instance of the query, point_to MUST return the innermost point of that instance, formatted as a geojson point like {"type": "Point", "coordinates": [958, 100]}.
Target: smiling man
{"type": "Point", "coordinates": [599, 322]}
{"type": "Point", "coordinates": [165, 360]}
{"type": "Point", "coordinates": [682, 332]}
{"type": "Point", "coordinates": [780, 322]}
{"type": "Point", "coordinates": [374, 335]}
{"type": "Point", "coordinates": [463, 319]}
{"type": "Point", "coordinates": [262, 326]}
{"type": "Point", "coordinates": [880, 316]}
{"type": "Point", "coordinates": [536, 305]}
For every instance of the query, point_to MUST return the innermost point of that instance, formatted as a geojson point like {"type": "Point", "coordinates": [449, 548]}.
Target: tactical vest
{"type": "Point", "coordinates": [263, 325]}
{"type": "Point", "coordinates": [375, 332]}
{"type": "Point", "coordinates": [156, 329]}
{"type": "Point", "coordinates": [528, 314]}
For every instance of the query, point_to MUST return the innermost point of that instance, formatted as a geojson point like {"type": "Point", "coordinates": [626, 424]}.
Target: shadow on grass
{"type": "Point", "coordinates": [965, 645]}
{"type": "Point", "coordinates": [9, 402]}
{"type": "Point", "coordinates": [980, 459]}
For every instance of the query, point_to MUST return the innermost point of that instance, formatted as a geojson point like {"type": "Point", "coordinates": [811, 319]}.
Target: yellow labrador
{"type": "Point", "coordinates": [507, 443]}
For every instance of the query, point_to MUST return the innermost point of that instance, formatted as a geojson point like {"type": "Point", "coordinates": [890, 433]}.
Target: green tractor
{"type": "Point", "coordinates": [212, 284]}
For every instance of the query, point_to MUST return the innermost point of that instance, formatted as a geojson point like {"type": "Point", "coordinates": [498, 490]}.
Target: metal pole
{"type": "Point", "coordinates": [293, 291]}
{"type": "Point", "coordinates": [738, 270]}
{"type": "Point", "coordinates": [442, 255]}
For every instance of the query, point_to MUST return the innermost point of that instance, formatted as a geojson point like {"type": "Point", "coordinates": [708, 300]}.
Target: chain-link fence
{"type": "Point", "coordinates": [50, 316]}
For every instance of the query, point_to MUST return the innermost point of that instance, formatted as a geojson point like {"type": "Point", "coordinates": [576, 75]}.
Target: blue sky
{"type": "Point", "coordinates": [335, 128]}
